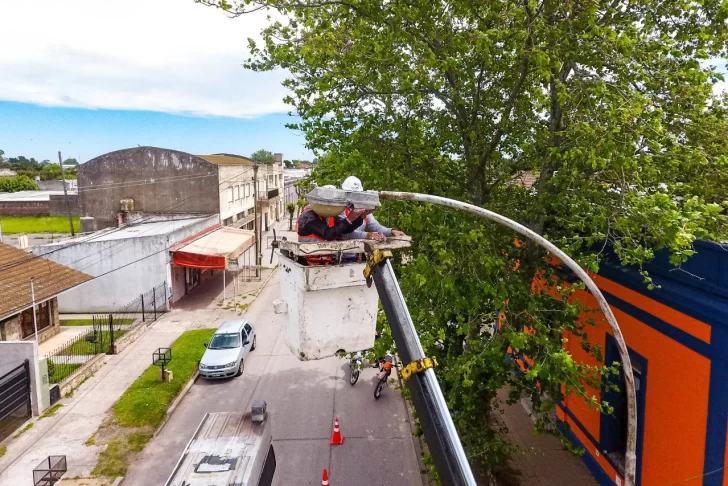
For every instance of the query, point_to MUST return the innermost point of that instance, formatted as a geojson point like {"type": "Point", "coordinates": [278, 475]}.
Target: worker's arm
{"type": "Point", "coordinates": [357, 234]}
{"type": "Point", "coordinates": [376, 226]}
{"type": "Point", "coordinates": [310, 223]}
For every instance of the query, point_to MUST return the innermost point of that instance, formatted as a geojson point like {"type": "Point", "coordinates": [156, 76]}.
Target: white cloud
{"type": "Point", "coordinates": [161, 55]}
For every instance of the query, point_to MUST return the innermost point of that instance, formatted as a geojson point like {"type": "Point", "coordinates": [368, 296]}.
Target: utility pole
{"type": "Point", "coordinates": [65, 194]}
{"type": "Point", "coordinates": [257, 225]}
{"type": "Point", "coordinates": [35, 319]}
{"type": "Point", "coordinates": [440, 432]}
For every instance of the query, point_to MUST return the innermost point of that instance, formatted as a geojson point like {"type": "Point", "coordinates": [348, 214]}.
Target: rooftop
{"type": "Point", "coordinates": [31, 195]}
{"type": "Point", "coordinates": [18, 267]}
{"type": "Point", "coordinates": [155, 228]}
{"type": "Point", "coordinates": [227, 159]}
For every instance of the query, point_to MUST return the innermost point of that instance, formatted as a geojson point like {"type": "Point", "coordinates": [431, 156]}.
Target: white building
{"type": "Point", "coordinates": [129, 261]}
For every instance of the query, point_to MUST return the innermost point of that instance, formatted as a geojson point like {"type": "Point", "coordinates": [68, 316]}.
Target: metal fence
{"type": "Point", "coordinates": [73, 354]}
{"type": "Point", "coordinates": [105, 330]}
{"type": "Point", "coordinates": [14, 399]}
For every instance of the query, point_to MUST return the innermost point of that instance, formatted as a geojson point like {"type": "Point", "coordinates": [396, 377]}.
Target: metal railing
{"type": "Point", "coordinates": [105, 329]}
{"type": "Point", "coordinates": [49, 471]}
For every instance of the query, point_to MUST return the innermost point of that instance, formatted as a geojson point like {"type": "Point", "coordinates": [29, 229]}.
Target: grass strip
{"type": "Point", "coordinates": [50, 411]}
{"type": "Point", "coordinates": [23, 430]}
{"type": "Point", "coordinates": [83, 347]}
{"type": "Point", "coordinates": [143, 406]}
{"type": "Point", "coordinates": [38, 224]}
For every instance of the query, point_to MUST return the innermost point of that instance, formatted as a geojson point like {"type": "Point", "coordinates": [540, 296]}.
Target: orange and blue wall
{"type": "Point", "coordinates": [678, 335]}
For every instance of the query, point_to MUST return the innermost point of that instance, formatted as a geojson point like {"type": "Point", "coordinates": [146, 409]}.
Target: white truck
{"type": "Point", "coordinates": [228, 449]}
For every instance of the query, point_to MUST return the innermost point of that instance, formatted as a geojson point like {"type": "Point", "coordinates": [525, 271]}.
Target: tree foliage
{"type": "Point", "coordinates": [17, 183]}
{"type": "Point", "coordinates": [262, 156]}
{"type": "Point", "coordinates": [608, 110]}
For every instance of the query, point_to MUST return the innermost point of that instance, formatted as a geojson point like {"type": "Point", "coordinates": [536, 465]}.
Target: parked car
{"type": "Point", "coordinates": [227, 350]}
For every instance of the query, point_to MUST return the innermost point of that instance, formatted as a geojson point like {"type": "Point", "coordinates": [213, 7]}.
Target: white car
{"type": "Point", "coordinates": [227, 350]}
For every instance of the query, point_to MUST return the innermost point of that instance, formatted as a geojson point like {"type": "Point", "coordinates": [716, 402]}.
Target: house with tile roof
{"type": "Point", "coordinates": [30, 283]}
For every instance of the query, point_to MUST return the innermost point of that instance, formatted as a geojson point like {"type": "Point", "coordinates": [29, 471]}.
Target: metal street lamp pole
{"type": "Point", "coordinates": [435, 400]}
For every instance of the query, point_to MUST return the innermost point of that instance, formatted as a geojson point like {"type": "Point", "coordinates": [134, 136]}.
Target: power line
{"type": "Point", "coordinates": [102, 234]}
{"type": "Point", "coordinates": [121, 242]}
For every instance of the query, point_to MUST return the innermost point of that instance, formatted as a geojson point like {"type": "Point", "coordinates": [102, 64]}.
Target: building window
{"type": "Point", "coordinates": [232, 194]}
{"type": "Point", "coordinates": [43, 316]}
{"type": "Point", "coordinates": [227, 221]}
{"type": "Point", "coordinates": [613, 427]}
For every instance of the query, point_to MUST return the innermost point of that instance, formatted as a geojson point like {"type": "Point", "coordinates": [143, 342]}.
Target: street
{"type": "Point", "coordinates": [303, 400]}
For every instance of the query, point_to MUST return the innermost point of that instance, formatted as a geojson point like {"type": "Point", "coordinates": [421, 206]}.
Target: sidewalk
{"type": "Point", "coordinates": [61, 339]}
{"type": "Point", "coordinates": [78, 419]}
{"type": "Point", "coordinates": [543, 460]}
{"type": "Point", "coordinates": [81, 415]}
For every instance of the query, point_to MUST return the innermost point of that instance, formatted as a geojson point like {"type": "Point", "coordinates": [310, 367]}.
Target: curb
{"type": "Point", "coordinates": [118, 481]}
{"type": "Point", "coordinates": [176, 402]}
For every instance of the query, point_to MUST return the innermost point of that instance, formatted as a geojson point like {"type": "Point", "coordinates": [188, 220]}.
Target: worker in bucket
{"type": "Point", "coordinates": [370, 229]}
{"type": "Point", "coordinates": [312, 228]}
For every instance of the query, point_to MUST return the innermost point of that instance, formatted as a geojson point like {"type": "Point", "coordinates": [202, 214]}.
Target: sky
{"type": "Point", "coordinates": [88, 77]}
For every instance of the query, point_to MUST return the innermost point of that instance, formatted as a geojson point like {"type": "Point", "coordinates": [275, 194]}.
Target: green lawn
{"type": "Point", "coordinates": [142, 407]}
{"type": "Point", "coordinates": [84, 347]}
{"type": "Point", "coordinates": [38, 224]}
{"type": "Point", "coordinates": [89, 322]}
{"type": "Point", "coordinates": [57, 372]}
{"type": "Point", "coordinates": [145, 402]}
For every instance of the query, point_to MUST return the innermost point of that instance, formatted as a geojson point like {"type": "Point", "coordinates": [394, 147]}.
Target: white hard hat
{"type": "Point", "coordinates": [352, 183]}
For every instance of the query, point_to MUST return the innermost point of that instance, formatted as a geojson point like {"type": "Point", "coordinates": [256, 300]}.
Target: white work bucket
{"type": "Point", "coordinates": [329, 309]}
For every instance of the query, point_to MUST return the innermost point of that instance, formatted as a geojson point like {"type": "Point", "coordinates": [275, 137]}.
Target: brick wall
{"type": "Point", "coordinates": [57, 205]}
{"type": "Point", "coordinates": [11, 329]}
{"type": "Point", "coordinates": [24, 208]}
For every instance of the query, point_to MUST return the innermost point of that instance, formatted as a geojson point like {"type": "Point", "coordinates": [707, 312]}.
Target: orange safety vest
{"type": "Point", "coordinates": [329, 221]}
{"type": "Point", "coordinates": [366, 218]}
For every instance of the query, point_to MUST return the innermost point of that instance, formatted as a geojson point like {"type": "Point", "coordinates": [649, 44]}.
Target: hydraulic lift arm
{"type": "Point", "coordinates": [440, 433]}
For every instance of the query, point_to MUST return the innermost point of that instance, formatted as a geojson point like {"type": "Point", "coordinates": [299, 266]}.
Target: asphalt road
{"type": "Point", "coordinates": [303, 399]}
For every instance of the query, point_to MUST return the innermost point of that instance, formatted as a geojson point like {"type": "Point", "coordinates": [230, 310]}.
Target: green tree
{"type": "Point", "coordinates": [17, 183]}
{"type": "Point", "coordinates": [263, 156]}
{"type": "Point", "coordinates": [70, 161]}
{"type": "Point", "coordinates": [291, 208]}
{"type": "Point", "coordinates": [609, 108]}
{"type": "Point", "coordinates": [50, 172]}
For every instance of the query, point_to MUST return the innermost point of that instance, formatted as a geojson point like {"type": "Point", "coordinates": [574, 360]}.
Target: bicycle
{"type": "Point", "coordinates": [385, 370]}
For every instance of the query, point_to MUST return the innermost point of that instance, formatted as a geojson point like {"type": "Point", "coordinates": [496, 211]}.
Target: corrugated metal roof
{"type": "Point", "coordinates": [227, 159]}
{"type": "Point", "coordinates": [17, 268]}
{"type": "Point", "coordinates": [226, 241]}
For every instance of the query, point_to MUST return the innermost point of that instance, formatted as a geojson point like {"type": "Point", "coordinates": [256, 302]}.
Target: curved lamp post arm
{"type": "Point", "coordinates": [630, 456]}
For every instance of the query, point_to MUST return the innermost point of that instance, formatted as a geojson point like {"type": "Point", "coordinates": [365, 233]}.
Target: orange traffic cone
{"type": "Point", "coordinates": [325, 478]}
{"type": "Point", "coordinates": [336, 438]}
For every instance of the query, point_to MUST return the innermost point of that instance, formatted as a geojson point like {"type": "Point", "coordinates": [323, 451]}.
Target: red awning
{"type": "Point", "coordinates": [195, 260]}
{"type": "Point", "coordinates": [212, 249]}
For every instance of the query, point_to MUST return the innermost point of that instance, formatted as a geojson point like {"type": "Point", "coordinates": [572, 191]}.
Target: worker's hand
{"type": "Point", "coordinates": [375, 236]}
{"type": "Point", "coordinates": [354, 214]}
{"type": "Point", "coordinates": [398, 233]}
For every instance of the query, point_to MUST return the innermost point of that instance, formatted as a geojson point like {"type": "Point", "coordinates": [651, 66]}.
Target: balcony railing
{"type": "Point", "coordinates": [264, 196]}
